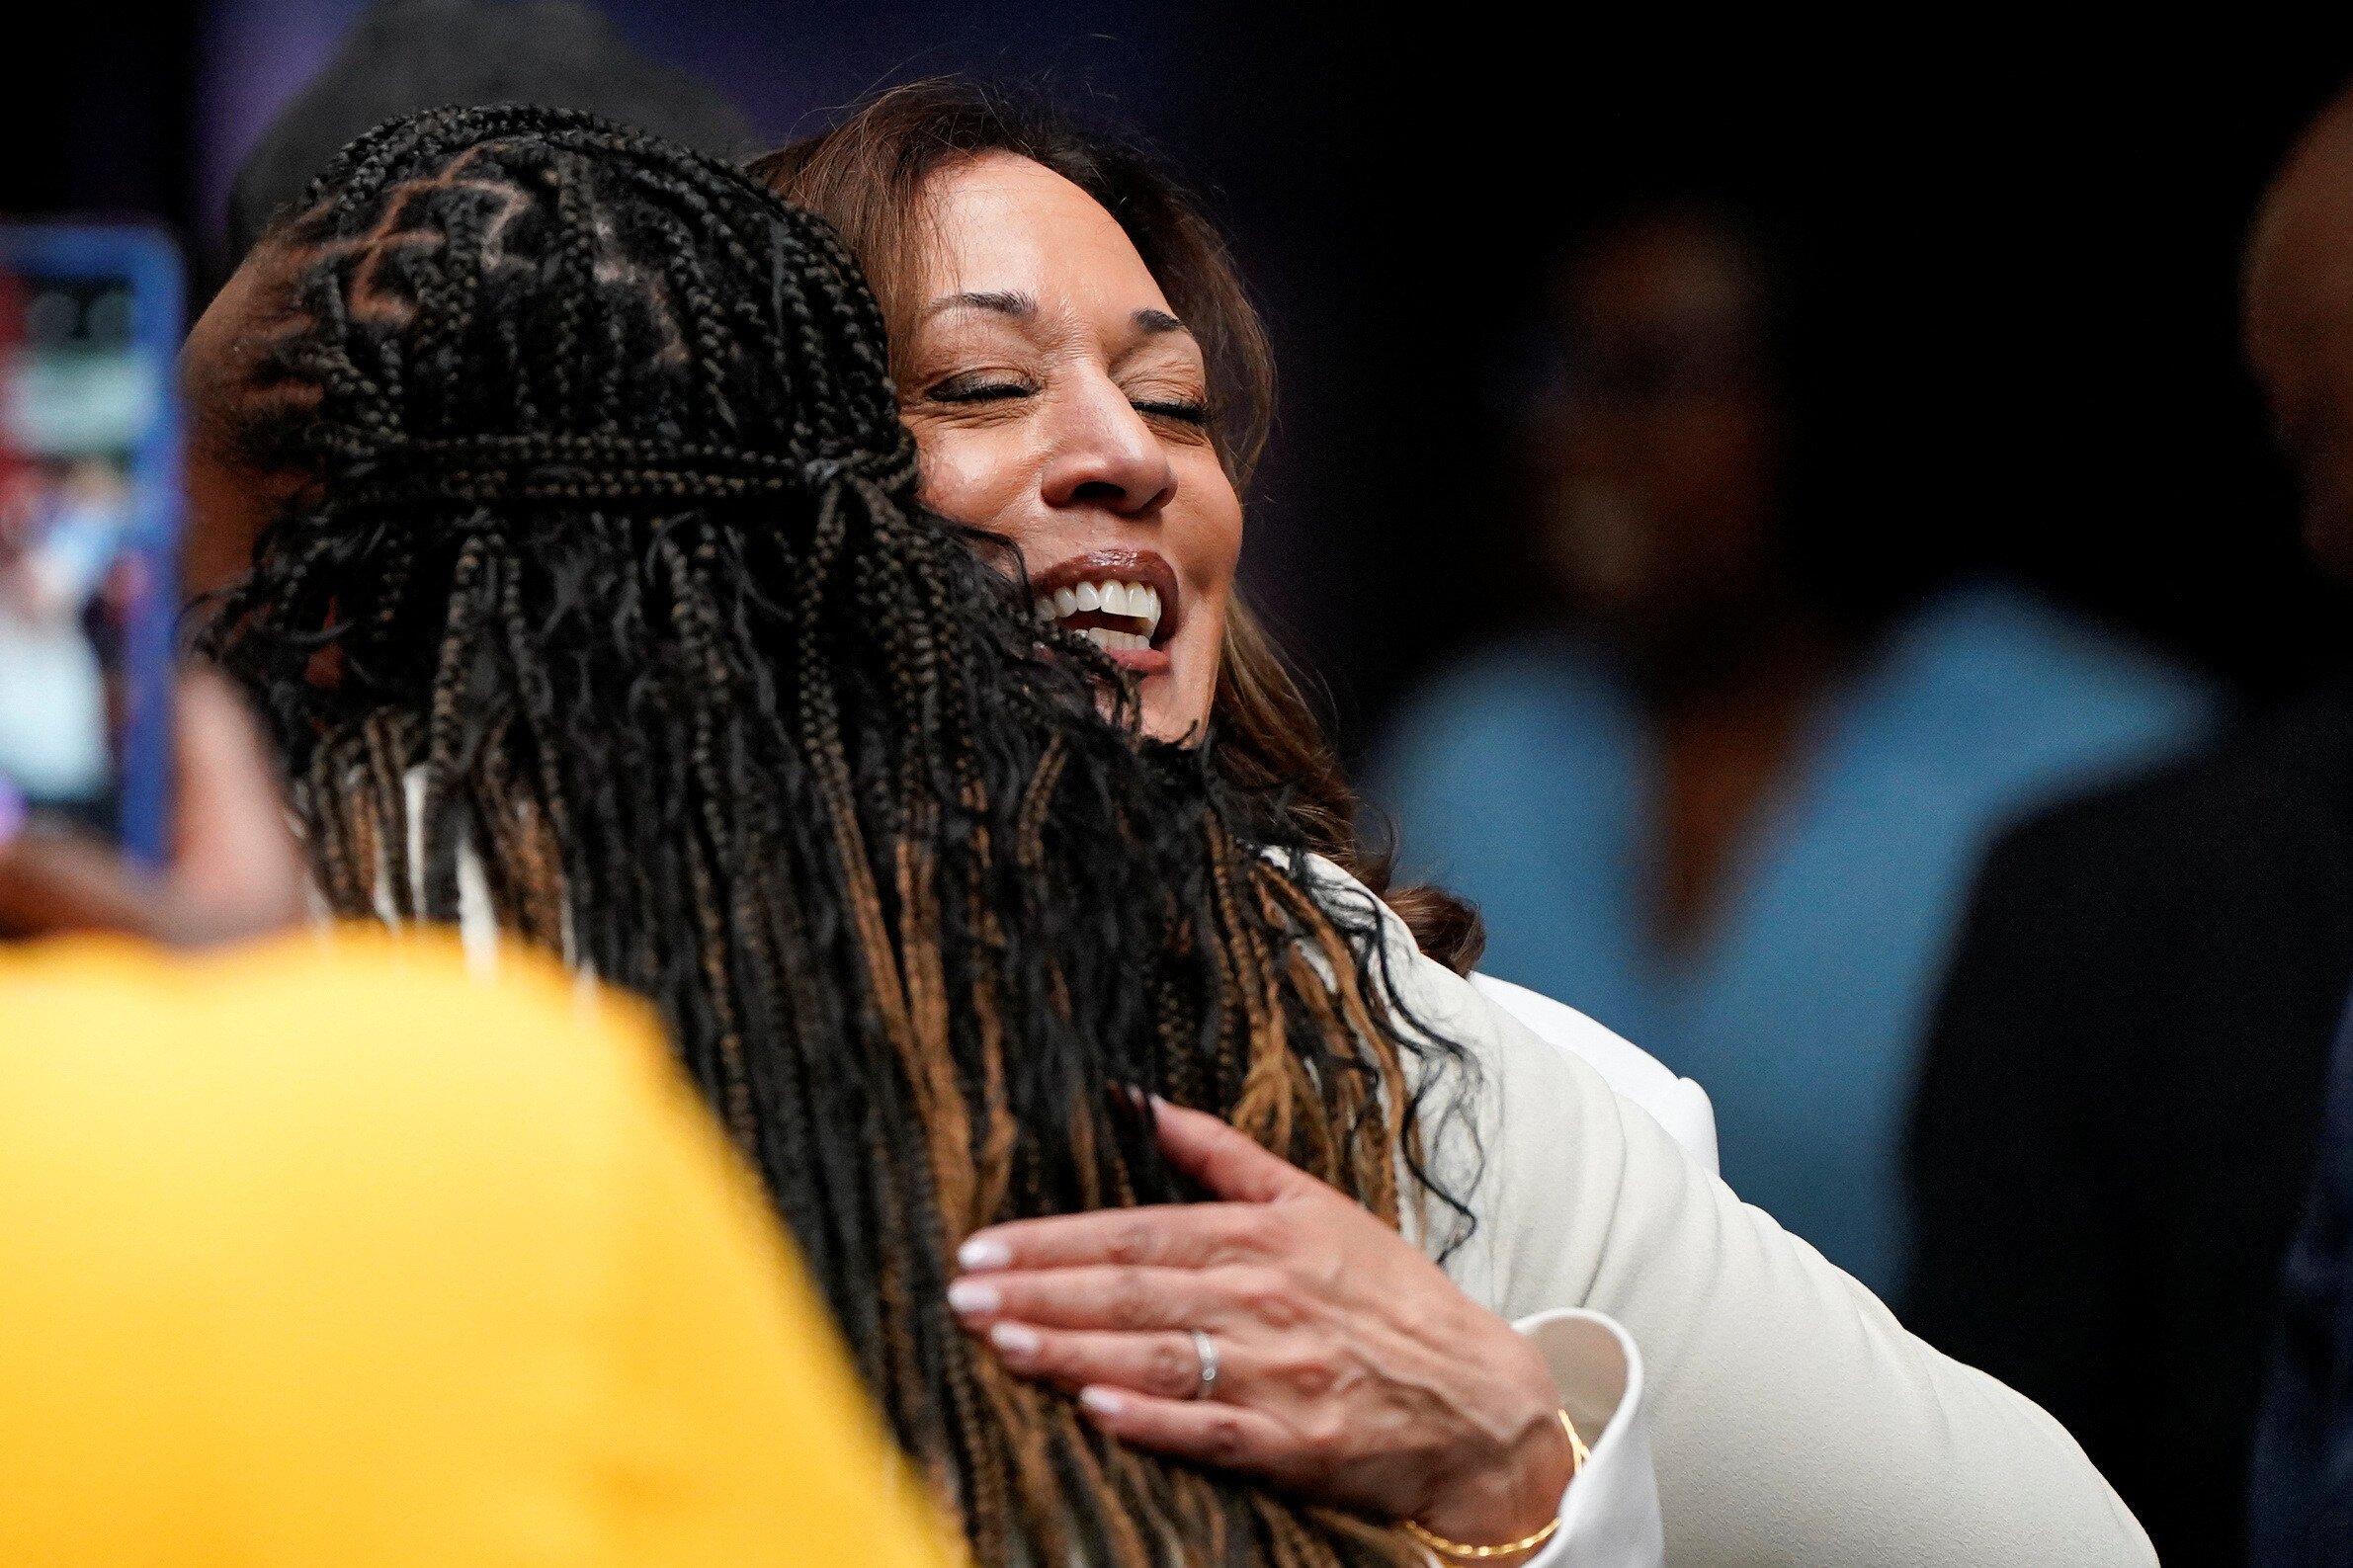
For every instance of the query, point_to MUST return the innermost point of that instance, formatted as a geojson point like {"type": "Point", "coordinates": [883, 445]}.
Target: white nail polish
{"type": "Point", "coordinates": [1013, 1339]}
{"type": "Point", "coordinates": [1101, 1401]}
{"type": "Point", "coordinates": [971, 1295]}
{"type": "Point", "coordinates": [984, 1252]}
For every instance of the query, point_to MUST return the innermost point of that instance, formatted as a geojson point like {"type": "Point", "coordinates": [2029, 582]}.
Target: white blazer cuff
{"type": "Point", "coordinates": [1609, 1515]}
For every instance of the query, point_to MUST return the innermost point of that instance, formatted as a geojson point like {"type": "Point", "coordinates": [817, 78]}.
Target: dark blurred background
{"type": "Point", "coordinates": [2014, 264]}
{"type": "Point", "coordinates": [2006, 271]}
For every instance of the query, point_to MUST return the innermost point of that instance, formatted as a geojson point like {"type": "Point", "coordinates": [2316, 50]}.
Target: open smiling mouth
{"type": "Point", "coordinates": [1110, 615]}
{"type": "Point", "coordinates": [1124, 601]}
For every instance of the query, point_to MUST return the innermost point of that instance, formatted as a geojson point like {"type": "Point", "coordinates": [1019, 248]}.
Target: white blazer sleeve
{"type": "Point", "coordinates": [1793, 1420]}
{"type": "Point", "coordinates": [1609, 1515]}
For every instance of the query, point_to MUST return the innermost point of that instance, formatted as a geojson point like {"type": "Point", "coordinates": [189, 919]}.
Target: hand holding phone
{"type": "Point", "coordinates": [235, 869]}
{"type": "Point", "coordinates": [93, 834]}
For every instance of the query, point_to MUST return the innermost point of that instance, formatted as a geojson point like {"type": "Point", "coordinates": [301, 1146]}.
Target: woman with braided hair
{"type": "Point", "coordinates": [1086, 378]}
{"type": "Point", "coordinates": [592, 603]}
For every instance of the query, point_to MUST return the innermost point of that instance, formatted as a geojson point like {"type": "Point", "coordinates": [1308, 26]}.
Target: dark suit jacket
{"type": "Point", "coordinates": [2300, 1505]}
{"type": "Point", "coordinates": [2118, 1107]}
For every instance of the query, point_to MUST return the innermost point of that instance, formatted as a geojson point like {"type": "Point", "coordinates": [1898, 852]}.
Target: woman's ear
{"type": "Point", "coordinates": [231, 496]}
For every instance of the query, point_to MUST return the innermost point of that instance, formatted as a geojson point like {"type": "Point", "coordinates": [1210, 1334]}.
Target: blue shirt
{"type": "Point", "coordinates": [1522, 779]}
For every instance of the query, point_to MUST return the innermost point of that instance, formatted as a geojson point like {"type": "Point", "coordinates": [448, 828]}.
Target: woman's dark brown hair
{"type": "Point", "coordinates": [868, 175]}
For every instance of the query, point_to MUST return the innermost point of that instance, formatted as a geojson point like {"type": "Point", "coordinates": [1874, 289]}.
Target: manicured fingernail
{"type": "Point", "coordinates": [985, 1251]}
{"type": "Point", "coordinates": [971, 1295]}
{"type": "Point", "coordinates": [1013, 1339]}
{"type": "Point", "coordinates": [1101, 1401]}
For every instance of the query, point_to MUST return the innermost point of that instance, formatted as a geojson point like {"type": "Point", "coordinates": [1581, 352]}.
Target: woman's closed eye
{"type": "Point", "coordinates": [976, 386]}
{"type": "Point", "coordinates": [1185, 411]}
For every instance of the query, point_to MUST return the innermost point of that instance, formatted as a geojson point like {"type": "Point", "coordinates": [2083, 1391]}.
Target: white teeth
{"type": "Point", "coordinates": [1135, 601]}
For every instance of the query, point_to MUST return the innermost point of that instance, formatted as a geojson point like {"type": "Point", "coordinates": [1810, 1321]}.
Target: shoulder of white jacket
{"type": "Point", "coordinates": [1561, 1025]}
{"type": "Point", "coordinates": [1677, 1103]}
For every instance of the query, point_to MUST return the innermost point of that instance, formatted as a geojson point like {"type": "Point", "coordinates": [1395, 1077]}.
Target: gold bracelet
{"type": "Point", "coordinates": [1578, 1453]}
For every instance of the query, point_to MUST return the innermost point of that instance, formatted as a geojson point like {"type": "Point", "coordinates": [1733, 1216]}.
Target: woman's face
{"type": "Point", "coordinates": [1057, 401]}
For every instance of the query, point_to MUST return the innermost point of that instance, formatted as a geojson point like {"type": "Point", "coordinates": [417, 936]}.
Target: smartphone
{"type": "Point", "coordinates": [90, 322]}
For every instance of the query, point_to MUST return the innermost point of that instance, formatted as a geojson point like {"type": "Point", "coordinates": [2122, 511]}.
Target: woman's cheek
{"type": "Point", "coordinates": [1201, 692]}
{"type": "Point", "coordinates": [1177, 703]}
{"type": "Point", "coordinates": [963, 478]}
{"type": "Point", "coordinates": [1209, 549]}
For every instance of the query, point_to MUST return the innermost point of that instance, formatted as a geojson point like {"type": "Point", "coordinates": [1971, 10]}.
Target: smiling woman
{"type": "Point", "coordinates": [1085, 379]}
{"type": "Point", "coordinates": [1059, 401]}
{"type": "Point", "coordinates": [954, 200]}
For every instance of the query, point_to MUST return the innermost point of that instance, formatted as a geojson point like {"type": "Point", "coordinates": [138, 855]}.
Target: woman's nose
{"type": "Point", "coordinates": [1110, 457]}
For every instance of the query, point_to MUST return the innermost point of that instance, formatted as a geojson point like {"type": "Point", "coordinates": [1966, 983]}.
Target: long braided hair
{"type": "Point", "coordinates": [605, 529]}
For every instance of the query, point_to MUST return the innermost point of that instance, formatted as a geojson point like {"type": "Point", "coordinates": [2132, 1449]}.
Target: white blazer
{"type": "Point", "coordinates": [1679, 1105]}
{"type": "Point", "coordinates": [1609, 1517]}
{"type": "Point", "coordinates": [1793, 1420]}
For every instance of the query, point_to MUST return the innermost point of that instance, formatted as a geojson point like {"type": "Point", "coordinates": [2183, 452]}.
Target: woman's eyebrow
{"type": "Point", "coordinates": [1004, 303]}
{"type": "Point", "coordinates": [1153, 322]}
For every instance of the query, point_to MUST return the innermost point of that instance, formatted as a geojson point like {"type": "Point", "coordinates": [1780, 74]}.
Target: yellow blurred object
{"type": "Point", "coordinates": [324, 1252]}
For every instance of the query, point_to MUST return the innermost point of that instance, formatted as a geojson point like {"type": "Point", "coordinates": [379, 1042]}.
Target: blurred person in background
{"type": "Point", "coordinates": [321, 1250]}
{"type": "Point", "coordinates": [2299, 1503]}
{"type": "Point", "coordinates": [1695, 805]}
{"type": "Point", "coordinates": [2118, 1113]}
{"type": "Point", "coordinates": [406, 56]}
{"type": "Point", "coordinates": [1084, 375]}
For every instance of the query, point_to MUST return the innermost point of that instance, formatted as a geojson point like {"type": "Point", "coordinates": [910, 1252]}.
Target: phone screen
{"type": "Point", "coordinates": [89, 506]}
